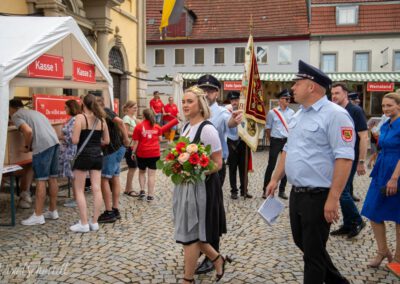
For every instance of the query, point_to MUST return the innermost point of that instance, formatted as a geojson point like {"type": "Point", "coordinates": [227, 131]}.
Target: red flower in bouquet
{"type": "Point", "coordinates": [194, 159]}
{"type": "Point", "coordinates": [204, 161]}
{"type": "Point", "coordinates": [180, 146]}
{"type": "Point", "coordinates": [177, 168]}
{"type": "Point", "coordinates": [170, 157]}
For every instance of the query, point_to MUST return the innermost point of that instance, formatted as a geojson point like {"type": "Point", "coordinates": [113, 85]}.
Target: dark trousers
{"type": "Point", "coordinates": [310, 233]}
{"type": "Point", "coordinates": [222, 173]}
{"type": "Point", "coordinates": [351, 216]}
{"type": "Point", "coordinates": [236, 160]}
{"type": "Point", "coordinates": [276, 146]}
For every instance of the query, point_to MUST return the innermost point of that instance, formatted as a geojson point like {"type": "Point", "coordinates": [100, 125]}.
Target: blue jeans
{"type": "Point", "coordinates": [351, 216]}
{"type": "Point", "coordinates": [158, 117]}
{"type": "Point", "coordinates": [112, 163]}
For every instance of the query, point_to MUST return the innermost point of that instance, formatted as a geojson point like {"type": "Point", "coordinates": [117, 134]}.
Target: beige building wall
{"type": "Point", "coordinates": [381, 50]}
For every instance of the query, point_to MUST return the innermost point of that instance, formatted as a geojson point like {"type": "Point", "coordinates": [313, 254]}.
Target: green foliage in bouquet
{"type": "Point", "coordinates": [186, 162]}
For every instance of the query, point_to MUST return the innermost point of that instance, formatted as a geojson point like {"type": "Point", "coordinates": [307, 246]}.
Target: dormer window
{"type": "Point", "coordinates": [346, 15]}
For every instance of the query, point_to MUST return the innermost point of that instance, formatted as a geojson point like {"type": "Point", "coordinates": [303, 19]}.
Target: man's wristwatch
{"type": "Point", "coordinates": [361, 161]}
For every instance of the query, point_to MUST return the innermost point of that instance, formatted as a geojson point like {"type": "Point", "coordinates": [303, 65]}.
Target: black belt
{"type": "Point", "coordinates": [280, 139]}
{"type": "Point", "coordinates": [300, 189]}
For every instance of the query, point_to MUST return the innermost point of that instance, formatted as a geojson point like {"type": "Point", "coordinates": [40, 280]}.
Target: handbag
{"type": "Point", "coordinates": [72, 162]}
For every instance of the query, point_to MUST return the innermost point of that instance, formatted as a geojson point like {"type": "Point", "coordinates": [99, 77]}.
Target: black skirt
{"type": "Point", "coordinates": [215, 212]}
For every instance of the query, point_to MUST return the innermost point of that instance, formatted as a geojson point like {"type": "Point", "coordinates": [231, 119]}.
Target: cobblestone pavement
{"type": "Point", "coordinates": [140, 248]}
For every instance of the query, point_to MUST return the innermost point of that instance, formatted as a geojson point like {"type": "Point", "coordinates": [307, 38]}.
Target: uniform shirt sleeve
{"type": "Point", "coordinates": [209, 136]}
{"type": "Point", "coordinates": [341, 136]}
{"type": "Point", "coordinates": [270, 120]}
{"type": "Point", "coordinates": [226, 117]}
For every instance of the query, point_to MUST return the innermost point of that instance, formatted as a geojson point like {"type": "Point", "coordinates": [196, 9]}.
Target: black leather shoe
{"type": "Point", "coordinates": [355, 198]}
{"type": "Point", "coordinates": [356, 230]}
{"type": "Point", "coordinates": [234, 196]}
{"type": "Point", "coordinates": [205, 267]}
{"type": "Point", "coordinates": [247, 195]}
{"type": "Point", "coordinates": [341, 231]}
{"type": "Point", "coordinates": [283, 195]}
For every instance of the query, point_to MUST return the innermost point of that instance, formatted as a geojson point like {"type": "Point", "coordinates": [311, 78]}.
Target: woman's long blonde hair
{"type": "Point", "coordinates": [201, 97]}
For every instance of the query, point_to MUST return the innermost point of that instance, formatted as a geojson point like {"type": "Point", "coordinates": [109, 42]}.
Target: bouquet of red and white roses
{"type": "Point", "coordinates": [186, 162]}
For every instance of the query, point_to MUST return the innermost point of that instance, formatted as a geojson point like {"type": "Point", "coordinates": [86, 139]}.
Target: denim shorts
{"type": "Point", "coordinates": [112, 163]}
{"type": "Point", "coordinates": [45, 164]}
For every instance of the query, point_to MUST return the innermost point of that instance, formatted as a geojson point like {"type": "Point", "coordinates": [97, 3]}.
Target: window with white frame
{"type": "Point", "coordinates": [179, 56]}
{"type": "Point", "coordinates": [346, 15]}
{"type": "Point", "coordinates": [219, 55]}
{"type": "Point", "coordinates": [284, 54]}
{"type": "Point", "coordinates": [328, 62]}
{"type": "Point", "coordinates": [199, 56]}
{"type": "Point", "coordinates": [396, 61]}
{"type": "Point", "coordinates": [239, 55]}
{"type": "Point", "coordinates": [262, 54]}
{"type": "Point", "coordinates": [159, 57]}
{"type": "Point", "coordinates": [361, 61]}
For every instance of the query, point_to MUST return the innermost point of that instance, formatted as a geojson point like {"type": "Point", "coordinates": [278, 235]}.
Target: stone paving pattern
{"type": "Point", "coordinates": [140, 247]}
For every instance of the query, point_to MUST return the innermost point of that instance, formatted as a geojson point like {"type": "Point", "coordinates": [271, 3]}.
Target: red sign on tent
{"type": "Point", "coordinates": [380, 87]}
{"type": "Point", "coordinates": [47, 66]}
{"type": "Point", "coordinates": [83, 72]}
{"type": "Point", "coordinates": [52, 106]}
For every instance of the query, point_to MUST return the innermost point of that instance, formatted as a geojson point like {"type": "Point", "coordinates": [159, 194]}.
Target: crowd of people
{"type": "Point", "coordinates": [317, 150]}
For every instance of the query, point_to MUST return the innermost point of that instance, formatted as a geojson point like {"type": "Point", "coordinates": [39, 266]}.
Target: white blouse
{"type": "Point", "coordinates": [209, 135]}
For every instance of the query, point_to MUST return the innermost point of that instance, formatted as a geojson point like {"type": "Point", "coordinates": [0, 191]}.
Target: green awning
{"type": "Point", "coordinates": [287, 77]}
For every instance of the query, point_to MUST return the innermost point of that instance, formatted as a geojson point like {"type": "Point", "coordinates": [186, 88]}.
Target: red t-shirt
{"type": "Point", "coordinates": [172, 109]}
{"type": "Point", "coordinates": [157, 105]}
{"type": "Point", "coordinates": [147, 137]}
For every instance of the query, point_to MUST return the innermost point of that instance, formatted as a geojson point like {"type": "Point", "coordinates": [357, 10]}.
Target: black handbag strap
{"type": "Point", "coordinates": [87, 139]}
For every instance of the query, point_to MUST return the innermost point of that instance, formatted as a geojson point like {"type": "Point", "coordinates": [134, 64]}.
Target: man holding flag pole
{"type": "Point", "coordinates": [252, 103]}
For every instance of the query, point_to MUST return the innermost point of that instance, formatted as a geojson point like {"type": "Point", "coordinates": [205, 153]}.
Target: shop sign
{"type": "Point", "coordinates": [83, 72]}
{"type": "Point", "coordinates": [47, 66]}
{"type": "Point", "coordinates": [52, 106]}
{"type": "Point", "coordinates": [380, 87]}
{"type": "Point", "coordinates": [232, 85]}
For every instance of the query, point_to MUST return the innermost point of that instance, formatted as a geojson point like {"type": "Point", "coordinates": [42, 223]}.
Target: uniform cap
{"type": "Point", "coordinates": [208, 81]}
{"type": "Point", "coordinates": [307, 71]}
{"type": "Point", "coordinates": [232, 95]}
{"type": "Point", "coordinates": [284, 94]}
{"type": "Point", "coordinates": [352, 96]}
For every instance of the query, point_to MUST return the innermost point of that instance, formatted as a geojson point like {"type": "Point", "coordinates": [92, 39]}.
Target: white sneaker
{"type": "Point", "coordinates": [33, 220]}
{"type": "Point", "coordinates": [94, 227]}
{"type": "Point", "coordinates": [26, 195]}
{"type": "Point", "coordinates": [24, 204]}
{"type": "Point", "coordinates": [79, 228]}
{"type": "Point", "coordinates": [53, 215]}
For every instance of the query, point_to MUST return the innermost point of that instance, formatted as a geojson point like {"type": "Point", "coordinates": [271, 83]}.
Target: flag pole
{"type": "Point", "coordinates": [246, 155]}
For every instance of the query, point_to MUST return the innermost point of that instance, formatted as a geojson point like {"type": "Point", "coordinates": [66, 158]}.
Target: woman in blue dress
{"type": "Point", "coordinates": [382, 202]}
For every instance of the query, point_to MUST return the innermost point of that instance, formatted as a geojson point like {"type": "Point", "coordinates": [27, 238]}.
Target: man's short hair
{"type": "Point", "coordinates": [16, 103]}
{"type": "Point", "coordinates": [342, 85]}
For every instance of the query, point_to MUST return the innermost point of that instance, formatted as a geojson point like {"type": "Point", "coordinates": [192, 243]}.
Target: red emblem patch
{"type": "Point", "coordinates": [347, 134]}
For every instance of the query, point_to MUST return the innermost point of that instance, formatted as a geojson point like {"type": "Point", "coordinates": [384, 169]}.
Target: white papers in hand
{"type": "Point", "coordinates": [271, 209]}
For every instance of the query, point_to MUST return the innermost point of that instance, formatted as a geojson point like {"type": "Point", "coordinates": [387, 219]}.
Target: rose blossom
{"type": "Point", "coordinates": [183, 158]}
{"type": "Point", "coordinates": [192, 148]}
{"type": "Point", "coordinates": [180, 147]}
{"type": "Point", "coordinates": [194, 159]}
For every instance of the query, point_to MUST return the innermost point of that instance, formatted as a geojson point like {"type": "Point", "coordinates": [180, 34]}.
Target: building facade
{"type": "Point", "coordinates": [211, 38]}
{"type": "Point", "coordinates": [358, 42]}
{"type": "Point", "coordinates": [116, 31]}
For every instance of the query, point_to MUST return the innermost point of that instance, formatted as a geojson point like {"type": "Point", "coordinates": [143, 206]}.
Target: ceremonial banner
{"type": "Point", "coordinates": [251, 100]}
{"type": "Point", "coordinates": [171, 13]}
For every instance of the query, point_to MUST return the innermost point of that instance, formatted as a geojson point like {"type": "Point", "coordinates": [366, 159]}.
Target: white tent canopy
{"type": "Point", "coordinates": [23, 40]}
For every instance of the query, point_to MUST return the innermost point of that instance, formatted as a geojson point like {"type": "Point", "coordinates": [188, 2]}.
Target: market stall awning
{"type": "Point", "coordinates": [286, 77]}
{"type": "Point", "coordinates": [25, 39]}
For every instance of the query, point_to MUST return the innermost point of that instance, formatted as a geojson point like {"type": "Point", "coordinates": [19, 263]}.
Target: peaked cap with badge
{"type": "Point", "coordinates": [208, 81]}
{"type": "Point", "coordinates": [353, 96]}
{"type": "Point", "coordinates": [284, 94]}
{"type": "Point", "coordinates": [233, 95]}
{"type": "Point", "coordinates": [307, 71]}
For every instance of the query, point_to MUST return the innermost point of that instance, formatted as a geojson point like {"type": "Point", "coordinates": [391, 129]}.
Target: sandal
{"type": "Point", "coordinates": [189, 280]}
{"type": "Point", "coordinates": [150, 198]}
{"type": "Point", "coordinates": [224, 260]}
{"type": "Point", "coordinates": [132, 193]}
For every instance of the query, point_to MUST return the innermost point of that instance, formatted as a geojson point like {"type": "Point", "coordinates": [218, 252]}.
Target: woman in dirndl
{"type": "Point", "coordinates": [199, 214]}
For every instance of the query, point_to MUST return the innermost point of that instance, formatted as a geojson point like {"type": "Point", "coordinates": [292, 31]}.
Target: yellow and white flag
{"type": "Point", "coordinates": [171, 13]}
{"type": "Point", "coordinates": [251, 100]}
